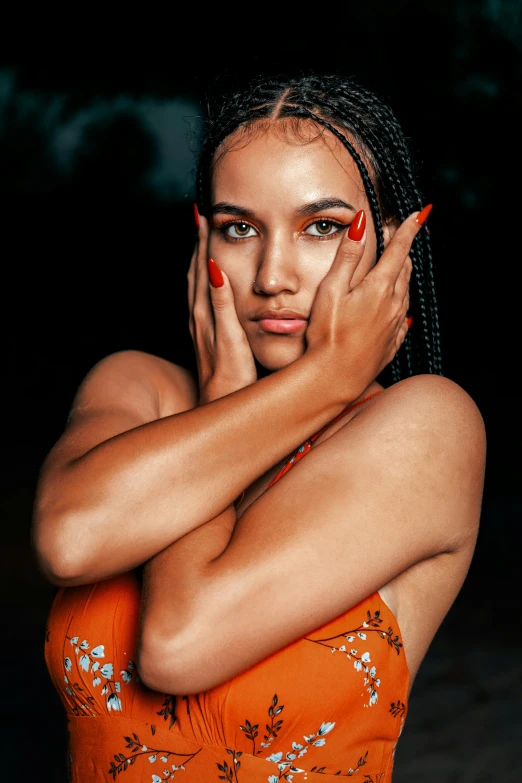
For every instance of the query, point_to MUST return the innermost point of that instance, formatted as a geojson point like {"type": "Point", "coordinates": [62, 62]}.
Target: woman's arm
{"type": "Point", "coordinates": [124, 471]}
{"type": "Point", "coordinates": [127, 471]}
{"type": "Point", "coordinates": [401, 483]}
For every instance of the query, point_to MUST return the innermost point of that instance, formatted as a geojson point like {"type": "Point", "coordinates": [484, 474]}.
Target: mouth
{"type": "Point", "coordinates": [282, 325]}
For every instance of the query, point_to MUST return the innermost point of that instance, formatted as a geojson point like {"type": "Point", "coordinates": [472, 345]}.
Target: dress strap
{"type": "Point", "coordinates": [307, 445]}
{"type": "Point", "coordinates": [343, 413]}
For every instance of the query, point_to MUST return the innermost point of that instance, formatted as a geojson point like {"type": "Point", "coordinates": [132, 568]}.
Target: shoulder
{"type": "Point", "coordinates": [429, 409]}
{"type": "Point", "coordinates": [129, 374]}
{"type": "Point", "coordinates": [422, 443]}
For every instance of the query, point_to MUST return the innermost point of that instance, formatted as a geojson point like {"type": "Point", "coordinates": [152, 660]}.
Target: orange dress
{"type": "Point", "coordinates": [329, 705]}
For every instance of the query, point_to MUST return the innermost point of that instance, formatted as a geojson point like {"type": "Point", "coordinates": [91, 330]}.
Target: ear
{"type": "Point", "coordinates": [388, 229]}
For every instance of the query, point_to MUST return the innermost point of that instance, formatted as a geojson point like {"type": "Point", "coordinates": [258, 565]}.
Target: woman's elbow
{"type": "Point", "coordinates": [157, 668]}
{"type": "Point", "coordinates": [167, 666]}
{"type": "Point", "coordinates": [58, 548]}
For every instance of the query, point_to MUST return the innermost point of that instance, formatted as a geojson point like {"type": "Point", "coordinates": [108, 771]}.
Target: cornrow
{"type": "Point", "coordinates": [339, 106]}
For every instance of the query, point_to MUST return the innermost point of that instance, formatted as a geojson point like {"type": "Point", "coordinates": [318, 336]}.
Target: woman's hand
{"type": "Point", "coordinates": [224, 357]}
{"type": "Point", "coordinates": [361, 328]}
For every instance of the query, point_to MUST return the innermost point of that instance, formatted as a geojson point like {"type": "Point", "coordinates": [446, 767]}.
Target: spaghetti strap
{"type": "Point", "coordinates": [343, 413]}
{"type": "Point", "coordinates": [307, 445]}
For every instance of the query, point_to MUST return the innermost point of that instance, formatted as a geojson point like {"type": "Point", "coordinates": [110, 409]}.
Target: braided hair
{"type": "Point", "coordinates": [338, 105]}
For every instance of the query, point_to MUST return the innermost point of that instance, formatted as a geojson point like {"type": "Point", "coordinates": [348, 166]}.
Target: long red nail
{"type": "Point", "coordinates": [214, 272]}
{"type": "Point", "coordinates": [356, 230]}
{"type": "Point", "coordinates": [409, 321]}
{"type": "Point", "coordinates": [423, 214]}
{"type": "Point", "coordinates": [196, 215]}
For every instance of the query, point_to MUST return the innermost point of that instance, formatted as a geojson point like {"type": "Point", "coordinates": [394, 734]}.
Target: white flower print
{"type": "Point", "coordinates": [111, 687]}
{"type": "Point", "coordinates": [113, 702]}
{"type": "Point", "coordinates": [372, 625]}
{"type": "Point", "coordinates": [313, 740]}
{"type": "Point", "coordinates": [107, 670]}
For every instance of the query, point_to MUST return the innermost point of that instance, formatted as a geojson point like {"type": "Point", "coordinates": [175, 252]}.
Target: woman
{"type": "Point", "coordinates": [287, 603]}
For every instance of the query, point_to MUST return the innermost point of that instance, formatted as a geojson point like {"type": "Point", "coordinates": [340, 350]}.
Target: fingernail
{"type": "Point", "coordinates": [423, 214]}
{"type": "Point", "coordinates": [356, 230]}
{"type": "Point", "coordinates": [196, 215]}
{"type": "Point", "coordinates": [409, 321]}
{"type": "Point", "coordinates": [214, 272]}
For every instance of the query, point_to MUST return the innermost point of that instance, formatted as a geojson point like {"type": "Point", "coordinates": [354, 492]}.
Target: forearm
{"type": "Point", "coordinates": [153, 484]}
{"type": "Point", "coordinates": [173, 585]}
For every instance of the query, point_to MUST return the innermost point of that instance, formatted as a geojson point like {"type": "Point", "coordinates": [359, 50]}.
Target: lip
{"type": "Point", "coordinates": [276, 314]}
{"type": "Point", "coordinates": [282, 325]}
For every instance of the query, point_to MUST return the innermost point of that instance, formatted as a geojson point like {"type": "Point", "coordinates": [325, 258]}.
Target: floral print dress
{"type": "Point", "coordinates": [332, 704]}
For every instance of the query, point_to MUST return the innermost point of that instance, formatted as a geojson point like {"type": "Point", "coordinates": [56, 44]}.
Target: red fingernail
{"type": "Point", "coordinates": [356, 230]}
{"type": "Point", "coordinates": [409, 321]}
{"type": "Point", "coordinates": [214, 272]}
{"type": "Point", "coordinates": [196, 215]}
{"type": "Point", "coordinates": [423, 214]}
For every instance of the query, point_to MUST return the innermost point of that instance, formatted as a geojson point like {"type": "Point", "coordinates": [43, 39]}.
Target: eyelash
{"type": "Point", "coordinates": [340, 226]}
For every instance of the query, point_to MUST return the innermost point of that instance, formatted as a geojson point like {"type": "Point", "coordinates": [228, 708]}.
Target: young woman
{"type": "Point", "coordinates": [306, 509]}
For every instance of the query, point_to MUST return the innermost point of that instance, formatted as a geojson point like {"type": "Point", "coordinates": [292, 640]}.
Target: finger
{"type": "Point", "coordinates": [202, 309]}
{"type": "Point", "coordinates": [406, 305]}
{"type": "Point", "coordinates": [391, 261]}
{"type": "Point", "coordinates": [403, 331]}
{"type": "Point", "coordinates": [402, 283]}
{"type": "Point", "coordinates": [191, 274]}
{"type": "Point", "coordinates": [348, 255]}
{"type": "Point", "coordinates": [229, 331]}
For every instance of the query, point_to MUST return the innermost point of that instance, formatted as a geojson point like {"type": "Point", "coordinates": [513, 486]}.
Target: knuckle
{"type": "Point", "coordinates": [403, 243]}
{"type": "Point", "coordinates": [384, 287]}
{"type": "Point", "coordinates": [198, 312]}
{"type": "Point", "coordinates": [219, 303]}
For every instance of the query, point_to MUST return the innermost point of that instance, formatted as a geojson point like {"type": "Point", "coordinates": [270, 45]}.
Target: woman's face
{"type": "Point", "coordinates": [279, 208]}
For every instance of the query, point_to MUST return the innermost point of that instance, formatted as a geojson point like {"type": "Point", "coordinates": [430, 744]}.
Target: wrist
{"type": "Point", "coordinates": [335, 385]}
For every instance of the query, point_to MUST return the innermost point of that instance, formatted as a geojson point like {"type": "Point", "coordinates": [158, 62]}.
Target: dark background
{"type": "Point", "coordinates": [96, 156]}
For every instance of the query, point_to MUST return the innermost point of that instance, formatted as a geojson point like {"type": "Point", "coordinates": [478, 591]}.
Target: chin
{"type": "Point", "coordinates": [277, 357]}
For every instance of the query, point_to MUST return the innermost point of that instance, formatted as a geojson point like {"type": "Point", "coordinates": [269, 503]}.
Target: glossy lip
{"type": "Point", "coordinates": [286, 314]}
{"type": "Point", "coordinates": [282, 325]}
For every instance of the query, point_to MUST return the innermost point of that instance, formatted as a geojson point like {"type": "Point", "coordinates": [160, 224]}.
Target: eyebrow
{"type": "Point", "coordinates": [307, 209]}
{"type": "Point", "coordinates": [230, 209]}
{"type": "Point", "coordinates": [324, 203]}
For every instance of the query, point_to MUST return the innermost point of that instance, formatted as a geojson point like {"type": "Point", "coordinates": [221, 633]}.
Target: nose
{"type": "Point", "coordinates": [277, 269]}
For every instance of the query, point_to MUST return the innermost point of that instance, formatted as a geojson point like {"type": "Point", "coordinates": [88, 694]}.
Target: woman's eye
{"type": "Point", "coordinates": [239, 230]}
{"type": "Point", "coordinates": [323, 228]}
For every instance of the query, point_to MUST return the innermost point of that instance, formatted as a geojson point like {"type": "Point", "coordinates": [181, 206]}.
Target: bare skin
{"type": "Point", "coordinates": [388, 499]}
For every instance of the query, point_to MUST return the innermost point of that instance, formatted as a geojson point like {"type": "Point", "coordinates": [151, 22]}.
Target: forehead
{"type": "Point", "coordinates": [287, 156]}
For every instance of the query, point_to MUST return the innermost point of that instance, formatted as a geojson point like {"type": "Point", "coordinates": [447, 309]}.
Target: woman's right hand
{"type": "Point", "coordinates": [224, 358]}
{"type": "Point", "coordinates": [361, 328]}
